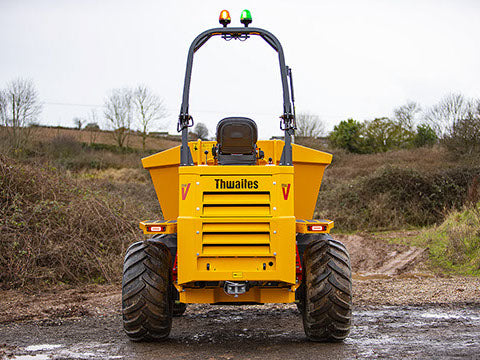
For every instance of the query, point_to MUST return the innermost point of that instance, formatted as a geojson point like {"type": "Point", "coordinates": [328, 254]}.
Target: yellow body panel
{"type": "Point", "coordinates": [237, 223]}
{"type": "Point", "coordinates": [165, 182]}
{"type": "Point", "coordinates": [309, 165]}
{"type": "Point", "coordinates": [303, 225]}
{"type": "Point", "coordinates": [255, 227]}
{"type": "Point", "coordinates": [170, 226]}
{"type": "Point", "coordinates": [254, 295]}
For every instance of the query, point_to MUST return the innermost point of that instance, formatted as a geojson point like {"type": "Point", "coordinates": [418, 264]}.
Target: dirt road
{"type": "Point", "coordinates": [401, 311]}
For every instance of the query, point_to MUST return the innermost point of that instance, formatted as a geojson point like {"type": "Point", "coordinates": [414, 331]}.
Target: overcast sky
{"type": "Point", "coordinates": [352, 58]}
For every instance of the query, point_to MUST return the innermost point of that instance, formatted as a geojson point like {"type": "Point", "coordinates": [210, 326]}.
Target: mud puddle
{"type": "Point", "coordinates": [258, 332]}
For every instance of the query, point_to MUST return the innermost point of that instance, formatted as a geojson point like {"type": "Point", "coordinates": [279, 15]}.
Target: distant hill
{"type": "Point", "coordinates": [134, 140]}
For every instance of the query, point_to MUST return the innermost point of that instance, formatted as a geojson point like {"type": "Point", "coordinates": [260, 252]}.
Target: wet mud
{"type": "Point", "coordinates": [255, 332]}
{"type": "Point", "coordinates": [402, 311]}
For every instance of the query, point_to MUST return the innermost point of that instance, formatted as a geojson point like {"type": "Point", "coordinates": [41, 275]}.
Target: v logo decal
{"type": "Point", "coordinates": [285, 190]}
{"type": "Point", "coordinates": [185, 189]}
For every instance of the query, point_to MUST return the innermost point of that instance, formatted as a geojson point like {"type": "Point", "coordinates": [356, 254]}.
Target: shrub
{"type": "Point", "coordinates": [464, 136]}
{"type": "Point", "coordinates": [375, 136]}
{"type": "Point", "coordinates": [425, 136]}
{"type": "Point", "coordinates": [92, 127]}
{"type": "Point", "coordinates": [63, 146]}
{"type": "Point", "coordinates": [347, 135]}
{"type": "Point", "coordinates": [55, 229]}
{"type": "Point", "coordinates": [383, 134]}
{"type": "Point", "coordinates": [393, 198]}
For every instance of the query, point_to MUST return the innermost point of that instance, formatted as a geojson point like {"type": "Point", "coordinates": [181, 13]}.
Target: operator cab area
{"type": "Point", "coordinates": [236, 141]}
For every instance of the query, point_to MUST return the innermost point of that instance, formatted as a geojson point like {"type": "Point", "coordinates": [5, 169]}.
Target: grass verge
{"type": "Point", "coordinates": [454, 245]}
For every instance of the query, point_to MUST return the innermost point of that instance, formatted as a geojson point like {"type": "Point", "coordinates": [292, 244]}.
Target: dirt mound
{"type": "Point", "coordinates": [371, 255]}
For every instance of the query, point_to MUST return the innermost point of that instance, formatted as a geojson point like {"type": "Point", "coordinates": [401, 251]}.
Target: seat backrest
{"type": "Point", "coordinates": [236, 135]}
{"type": "Point", "coordinates": [237, 139]}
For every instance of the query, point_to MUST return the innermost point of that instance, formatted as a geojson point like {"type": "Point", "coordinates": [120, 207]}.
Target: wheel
{"type": "Point", "coordinates": [146, 292]}
{"type": "Point", "coordinates": [327, 303]}
{"type": "Point", "coordinates": [178, 307]}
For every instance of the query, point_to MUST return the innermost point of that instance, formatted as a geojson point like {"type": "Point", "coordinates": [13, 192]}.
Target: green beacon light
{"type": "Point", "coordinates": [246, 17]}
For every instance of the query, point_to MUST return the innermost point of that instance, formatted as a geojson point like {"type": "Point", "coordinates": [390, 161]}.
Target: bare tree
{"type": "Point", "coordinates": [19, 107]}
{"type": "Point", "coordinates": [405, 115]}
{"type": "Point", "coordinates": [309, 125]}
{"type": "Point", "coordinates": [464, 135]}
{"type": "Point", "coordinates": [201, 131]}
{"type": "Point", "coordinates": [148, 109]}
{"type": "Point", "coordinates": [450, 110]}
{"type": "Point", "coordinates": [118, 112]}
{"type": "Point", "coordinates": [78, 123]}
{"type": "Point", "coordinates": [92, 126]}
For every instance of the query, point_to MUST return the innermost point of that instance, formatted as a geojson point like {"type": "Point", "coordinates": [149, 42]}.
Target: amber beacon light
{"type": "Point", "coordinates": [224, 18]}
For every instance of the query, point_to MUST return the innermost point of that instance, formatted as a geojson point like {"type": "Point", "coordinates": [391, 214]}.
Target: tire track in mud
{"type": "Point", "coordinates": [398, 262]}
{"type": "Point", "coordinates": [372, 255]}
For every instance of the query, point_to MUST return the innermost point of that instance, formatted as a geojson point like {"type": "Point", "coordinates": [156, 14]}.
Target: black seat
{"type": "Point", "coordinates": [236, 139]}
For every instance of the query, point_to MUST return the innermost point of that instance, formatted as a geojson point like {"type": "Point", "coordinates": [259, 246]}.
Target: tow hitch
{"type": "Point", "coordinates": [235, 288]}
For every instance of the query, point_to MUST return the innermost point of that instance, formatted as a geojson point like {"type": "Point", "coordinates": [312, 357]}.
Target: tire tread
{"type": "Point", "coordinates": [146, 292]}
{"type": "Point", "coordinates": [327, 299]}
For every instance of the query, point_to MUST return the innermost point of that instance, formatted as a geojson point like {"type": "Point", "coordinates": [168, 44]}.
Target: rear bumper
{"type": "Point", "coordinates": [254, 295]}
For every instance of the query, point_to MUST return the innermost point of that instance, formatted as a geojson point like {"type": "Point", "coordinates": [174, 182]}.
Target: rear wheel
{"type": "Point", "coordinates": [327, 297]}
{"type": "Point", "coordinates": [146, 291]}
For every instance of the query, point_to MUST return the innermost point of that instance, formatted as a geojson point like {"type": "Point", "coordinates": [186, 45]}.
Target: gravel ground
{"type": "Point", "coordinates": [411, 290]}
{"type": "Point", "coordinates": [256, 332]}
{"type": "Point", "coordinates": [401, 311]}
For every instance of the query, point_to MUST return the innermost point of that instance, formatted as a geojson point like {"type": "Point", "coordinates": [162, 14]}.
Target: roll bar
{"type": "Point", "coordinates": [287, 122]}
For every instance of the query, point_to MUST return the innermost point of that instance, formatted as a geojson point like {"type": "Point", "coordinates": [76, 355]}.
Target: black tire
{"type": "Point", "coordinates": [146, 292]}
{"type": "Point", "coordinates": [327, 303]}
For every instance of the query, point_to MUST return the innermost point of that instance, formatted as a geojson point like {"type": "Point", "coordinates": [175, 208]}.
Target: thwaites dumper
{"type": "Point", "coordinates": [237, 225]}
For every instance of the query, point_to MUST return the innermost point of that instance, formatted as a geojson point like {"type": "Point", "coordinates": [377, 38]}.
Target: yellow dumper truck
{"type": "Point", "coordinates": [237, 225]}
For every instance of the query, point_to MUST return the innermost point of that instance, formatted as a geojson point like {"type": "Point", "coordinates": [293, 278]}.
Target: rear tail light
{"type": "Point", "coordinates": [155, 228]}
{"type": "Point", "coordinates": [317, 228]}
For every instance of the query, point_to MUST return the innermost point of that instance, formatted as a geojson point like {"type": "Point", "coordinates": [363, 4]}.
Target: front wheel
{"type": "Point", "coordinates": [327, 297]}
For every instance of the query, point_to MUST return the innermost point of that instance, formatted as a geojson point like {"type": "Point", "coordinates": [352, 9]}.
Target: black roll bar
{"type": "Point", "coordinates": [287, 122]}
